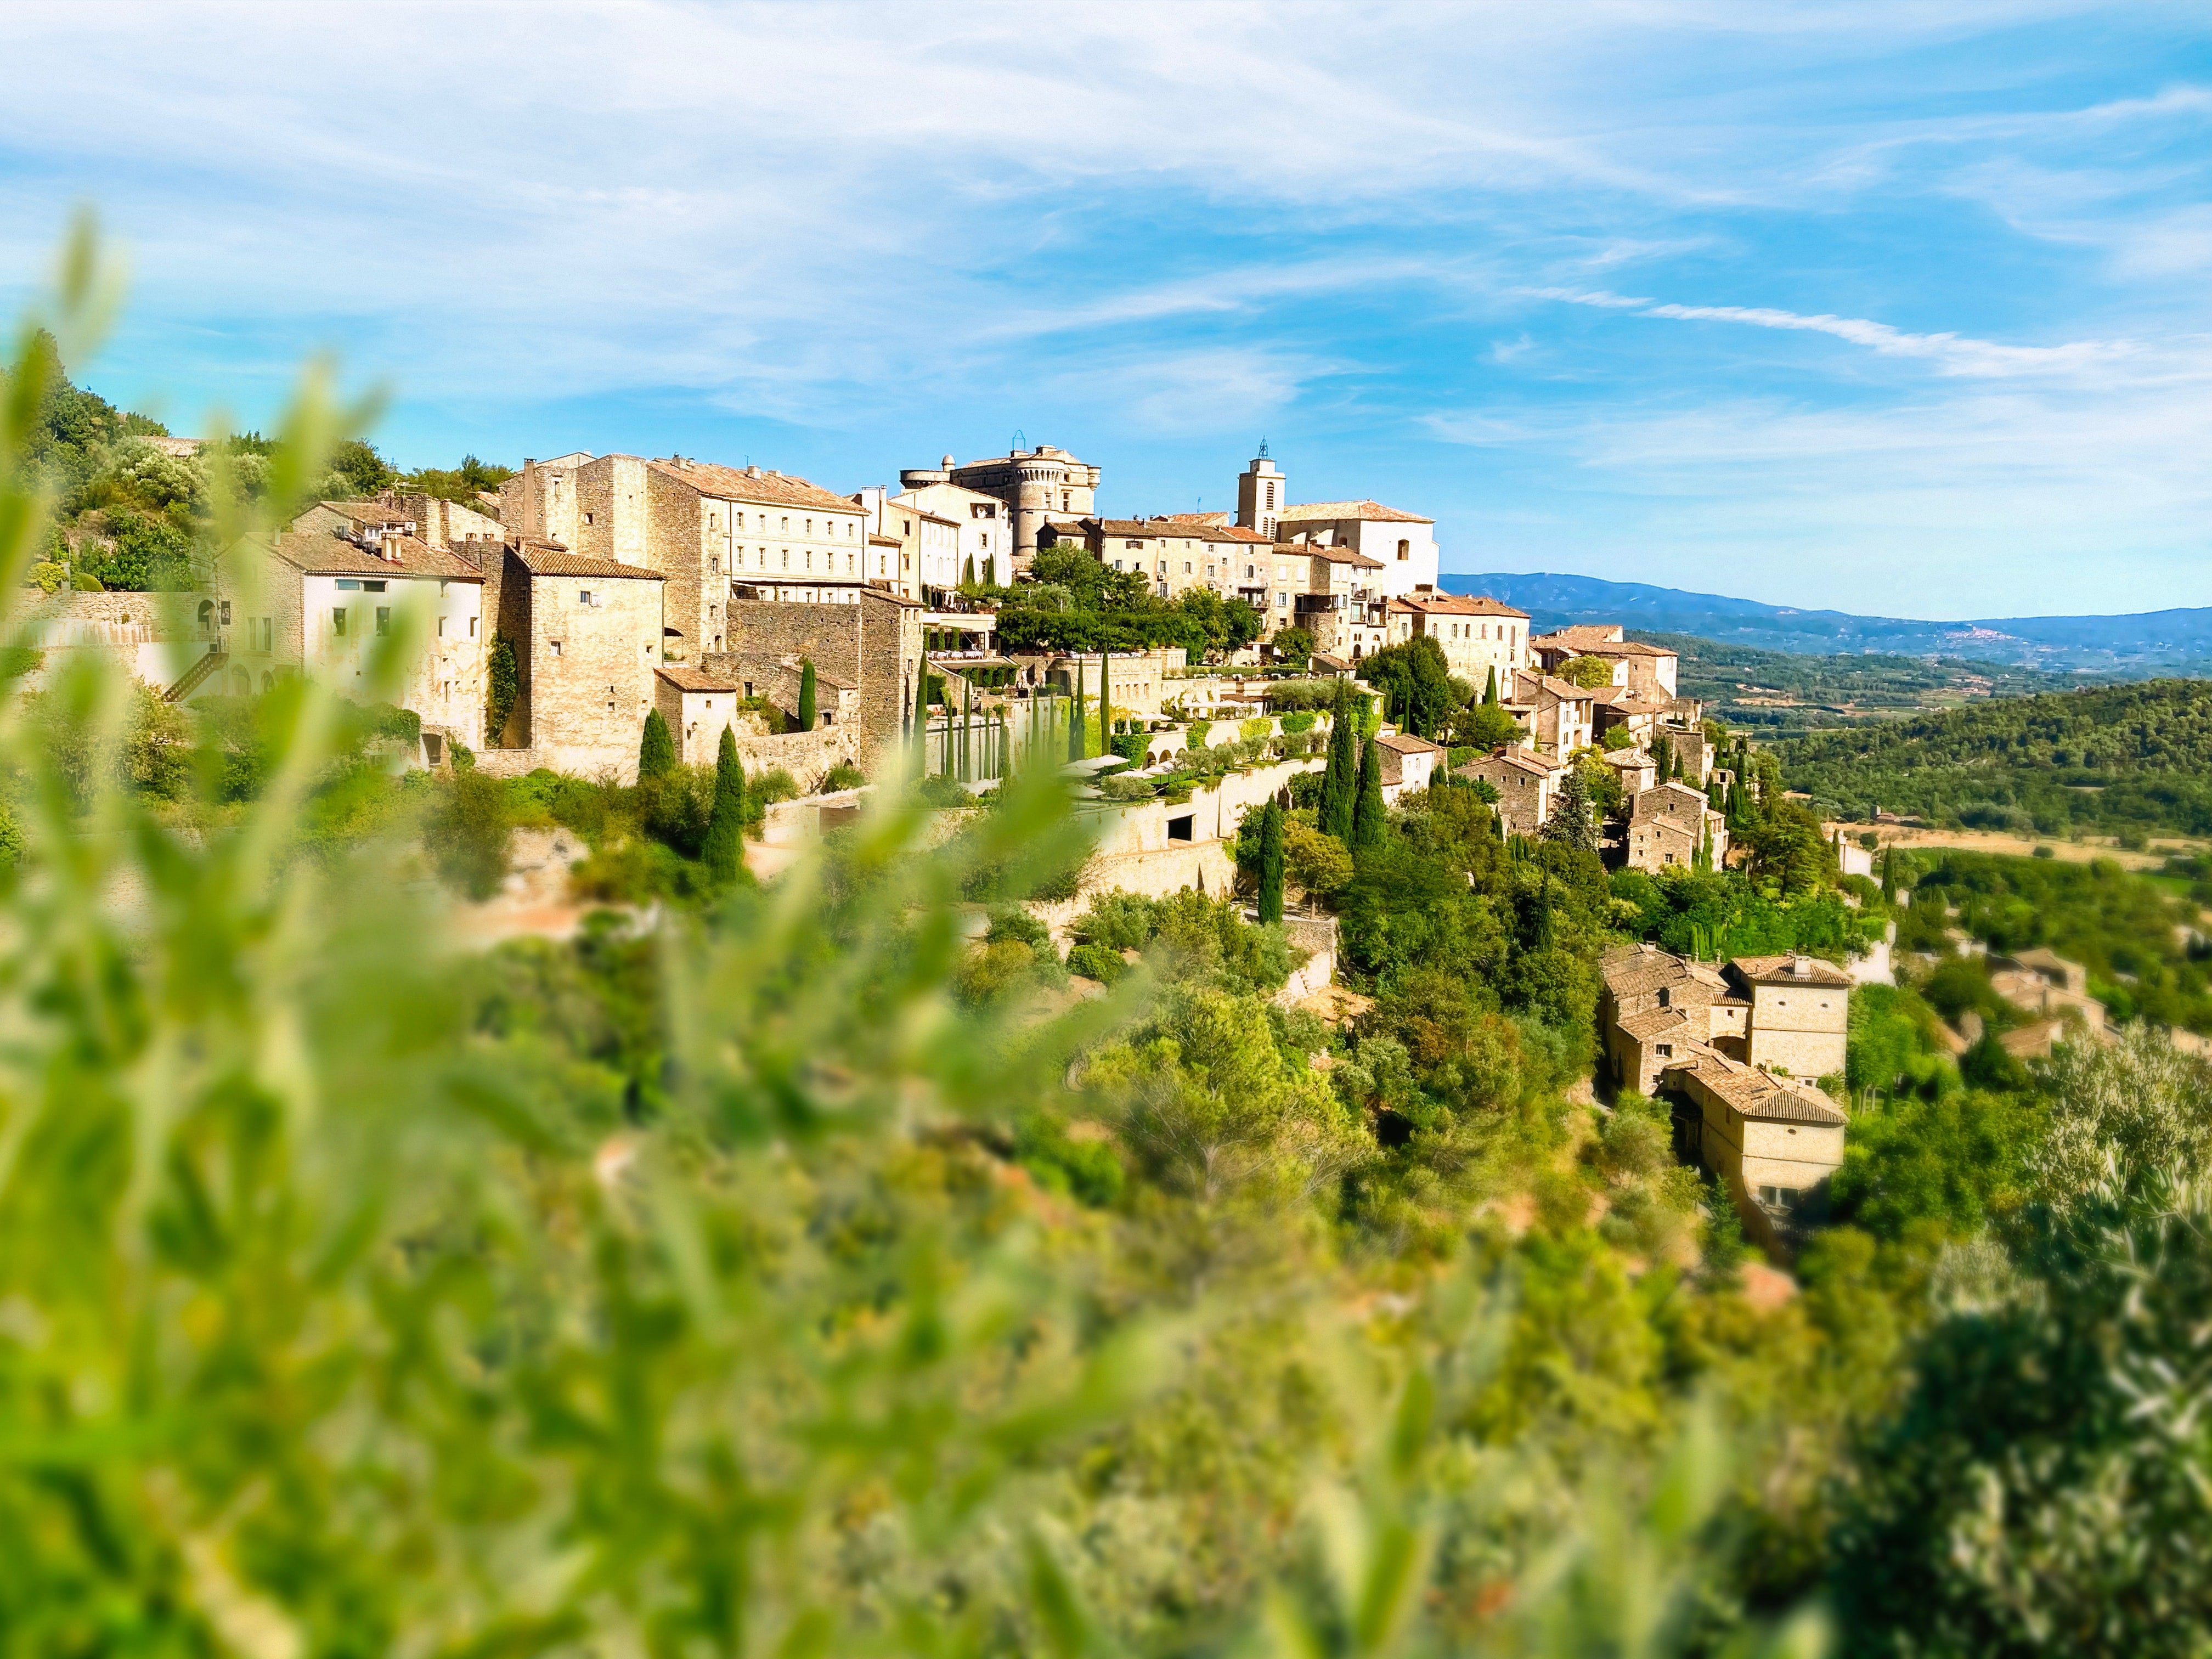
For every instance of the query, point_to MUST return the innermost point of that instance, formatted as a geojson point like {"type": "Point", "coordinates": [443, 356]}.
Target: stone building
{"type": "Point", "coordinates": [982, 527]}
{"type": "Point", "coordinates": [872, 644]}
{"type": "Point", "coordinates": [1526, 785]}
{"type": "Point", "coordinates": [1330, 591]}
{"type": "Point", "coordinates": [1403, 544]}
{"type": "Point", "coordinates": [587, 634]}
{"type": "Point", "coordinates": [1174, 554]}
{"type": "Point", "coordinates": [1665, 823]}
{"type": "Point", "coordinates": [1409, 762]}
{"type": "Point", "coordinates": [1263, 492]}
{"type": "Point", "coordinates": [927, 560]}
{"type": "Point", "coordinates": [1772, 1143]}
{"type": "Point", "coordinates": [323, 597]}
{"type": "Point", "coordinates": [1559, 716]}
{"type": "Point", "coordinates": [1479, 636]}
{"type": "Point", "coordinates": [1032, 484]}
{"type": "Point", "coordinates": [699, 708]}
{"type": "Point", "coordinates": [1648, 671]}
{"type": "Point", "coordinates": [711, 531]}
{"type": "Point", "coordinates": [1800, 1012]}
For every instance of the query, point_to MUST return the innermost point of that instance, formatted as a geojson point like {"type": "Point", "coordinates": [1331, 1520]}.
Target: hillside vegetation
{"type": "Point", "coordinates": [1780, 694]}
{"type": "Point", "coordinates": [2122, 759]}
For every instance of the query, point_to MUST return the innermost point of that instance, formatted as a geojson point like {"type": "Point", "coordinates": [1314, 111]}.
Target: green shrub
{"type": "Point", "coordinates": [467, 835]}
{"type": "Point", "coordinates": [1096, 962]}
{"type": "Point", "coordinates": [843, 775]}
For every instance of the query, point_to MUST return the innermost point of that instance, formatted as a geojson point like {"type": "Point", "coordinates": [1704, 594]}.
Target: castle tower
{"type": "Point", "coordinates": [1262, 494]}
{"type": "Point", "coordinates": [1035, 484]}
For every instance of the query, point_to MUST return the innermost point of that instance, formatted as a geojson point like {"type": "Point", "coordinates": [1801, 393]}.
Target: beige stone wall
{"type": "Point", "coordinates": [876, 645]}
{"type": "Point", "coordinates": [675, 542]}
{"type": "Point", "coordinates": [697, 720]}
{"type": "Point", "coordinates": [1799, 1029]}
{"type": "Point", "coordinates": [807, 756]}
{"type": "Point", "coordinates": [1656, 844]}
{"type": "Point", "coordinates": [588, 698]}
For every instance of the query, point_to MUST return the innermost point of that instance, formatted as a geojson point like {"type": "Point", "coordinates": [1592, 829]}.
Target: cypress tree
{"type": "Point", "coordinates": [656, 750]}
{"type": "Point", "coordinates": [1888, 875]}
{"type": "Point", "coordinates": [1077, 719]}
{"type": "Point", "coordinates": [1369, 814]}
{"type": "Point", "coordinates": [921, 715]}
{"type": "Point", "coordinates": [1339, 784]}
{"type": "Point", "coordinates": [1490, 692]}
{"type": "Point", "coordinates": [806, 693]}
{"type": "Point", "coordinates": [1271, 862]}
{"type": "Point", "coordinates": [991, 571]}
{"type": "Point", "coordinates": [1105, 701]}
{"type": "Point", "coordinates": [725, 828]}
{"type": "Point", "coordinates": [968, 572]}
{"type": "Point", "coordinates": [1664, 771]}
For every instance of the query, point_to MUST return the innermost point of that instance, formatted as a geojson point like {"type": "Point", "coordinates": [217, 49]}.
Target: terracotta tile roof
{"type": "Point", "coordinates": [1456, 604]}
{"type": "Point", "coordinates": [1665, 797]}
{"type": "Point", "coordinates": [1307, 511]}
{"type": "Point", "coordinates": [1790, 970]}
{"type": "Point", "coordinates": [315, 543]}
{"type": "Point", "coordinates": [1406, 744]}
{"type": "Point", "coordinates": [1577, 636]}
{"type": "Point", "coordinates": [751, 483]}
{"type": "Point", "coordinates": [1334, 664]}
{"type": "Point", "coordinates": [1757, 1096]}
{"type": "Point", "coordinates": [885, 541]}
{"type": "Point", "coordinates": [1333, 555]}
{"type": "Point", "coordinates": [1641, 967]}
{"type": "Point", "coordinates": [1565, 691]}
{"type": "Point", "coordinates": [1626, 758]}
{"type": "Point", "coordinates": [691, 679]}
{"type": "Point", "coordinates": [552, 559]}
{"type": "Point", "coordinates": [1519, 758]}
{"type": "Point", "coordinates": [1656, 1022]}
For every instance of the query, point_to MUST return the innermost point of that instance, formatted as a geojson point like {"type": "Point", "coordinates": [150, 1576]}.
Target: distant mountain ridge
{"type": "Point", "coordinates": [2143, 643]}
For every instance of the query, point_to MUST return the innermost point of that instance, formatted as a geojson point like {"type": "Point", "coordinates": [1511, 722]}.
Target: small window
{"type": "Point", "coordinates": [1666, 1051]}
{"type": "Point", "coordinates": [383, 619]}
{"type": "Point", "coordinates": [225, 622]}
{"type": "Point", "coordinates": [1179, 829]}
{"type": "Point", "coordinates": [372, 587]}
{"type": "Point", "coordinates": [337, 622]}
{"type": "Point", "coordinates": [441, 628]}
{"type": "Point", "coordinates": [587, 518]}
{"type": "Point", "coordinates": [1405, 549]}
{"type": "Point", "coordinates": [348, 585]}
{"type": "Point", "coordinates": [583, 596]}
{"type": "Point", "coordinates": [472, 627]}
{"type": "Point", "coordinates": [553, 645]}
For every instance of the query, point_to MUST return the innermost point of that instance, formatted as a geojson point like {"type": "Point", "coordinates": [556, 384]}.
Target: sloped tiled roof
{"type": "Point", "coordinates": [691, 679]}
{"type": "Point", "coordinates": [552, 559]}
{"type": "Point", "coordinates": [751, 484]}
{"type": "Point", "coordinates": [1406, 744]}
{"type": "Point", "coordinates": [1519, 758]}
{"type": "Point", "coordinates": [1456, 604]}
{"type": "Point", "coordinates": [1333, 555]}
{"type": "Point", "coordinates": [1306, 510]}
{"type": "Point", "coordinates": [1781, 971]}
{"type": "Point", "coordinates": [315, 543]}
{"type": "Point", "coordinates": [1656, 1022]}
{"type": "Point", "coordinates": [1566, 690]}
{"type": "Point", "coordinates": [1756, 1095]}
{"type": "Point", "coordinates": [1662, 797]}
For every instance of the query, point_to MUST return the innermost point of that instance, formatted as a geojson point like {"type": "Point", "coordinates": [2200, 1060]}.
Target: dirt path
{"type": "Point", "coordinates": [1996, 840]}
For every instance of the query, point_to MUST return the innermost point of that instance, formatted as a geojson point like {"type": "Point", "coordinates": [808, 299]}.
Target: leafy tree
{"type": "Point", "coordinates": [357, 472]}
{"type": "Point", "coordinates": [1485, 726]}
{"type": "Point", "coordinates": [1317, 861]}
{"type": "Point", "coordinates": [468, 833]}
{"type": "Point", "coordinates": [2046, 1484]}
{"type": "Point", "coordinates": [1340, 781]}
{"type": "Point", "coordinates": [1293, 645]}
{"type": "Point", "coordinates": [1271, 862]}
{"type": "Point", "coordinates": [502, 686]}
{"type": "Point", "coordinates": [1588, 672]}
{"type": "Point", "coordinates": [1416, 683]}
{"type": "Point", "coordinates": [656, 750]}
{"type": "Point", "coordinates": [1572, 824]}
{"type": "Point", "coordinates": [465, 485]}
{"type": "Point", "coordinates": [806, 693]}
{"type": "Point", "coordinates": [1369, 817]}
{"type": "Point", "coordinates": [724, 849]}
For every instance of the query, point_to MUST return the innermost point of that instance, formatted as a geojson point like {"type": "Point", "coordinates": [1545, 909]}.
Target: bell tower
{"type": "Point", "coordinates": [1263, 492]}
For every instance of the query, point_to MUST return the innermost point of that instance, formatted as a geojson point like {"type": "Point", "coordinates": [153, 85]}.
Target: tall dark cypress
{"type": "Point", "coordinates": [1271, 862]}
{"type": "Point", "coordinates": [725, 847]}
{"type": "Point", "coordinates": [1369, 814]}
{"type": "Point", "coordinates": [1339, 784]}
{"type": "Point", "coordinates": [1490, 692]}
{"type": "Point", "coordinates": [1075, 733]}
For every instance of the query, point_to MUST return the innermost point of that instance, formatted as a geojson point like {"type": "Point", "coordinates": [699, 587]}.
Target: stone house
{"type": "Point", "coordinates": [2041, 981]}
{"type": "Point", "coordinates": [927, 542]}
{"type": "Point", "coordinates": [1479, 636]}
{"type": "Point", "coordinates": [1559, 716]}
{"type": "Point", "coordinates": [699, 708]}
{"type": "Point", "coordinates": [1775, 1143]}
{"type": "Point", "coordinates": [325, 594]}
{"type": "Point", "coordinates": [1408, 762]}
{"type": "Point", "coordinates": [1654, 1004]}
{"type": "Point", "coordinates": [1615, 708]}
{"type": "Point", "coordinates": [1692, 754]}
{"type": "Point", "coordinates": [587, 634]}
{"type": "Point", "coordinates": [1526, 785]}
{"type": "Point", "coordinates": [1800, 1010]}
{"type": "Point", "coordinates": [1636, 770]}
{"type": "Point", "coordinates": [1664, 825]}
{"type": "Point", "coordinates": [1648, 671]}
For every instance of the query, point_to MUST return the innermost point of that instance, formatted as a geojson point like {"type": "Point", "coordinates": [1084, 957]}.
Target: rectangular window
{"type": "Point", "coordinates": [226, 613]}
{"type": "Point", "coordinates": [441, 628]}
{"type": "Point", "coordinates": [583, 596]}
{"type": "Point", "coordinates": [555, 646]}
{"type": "Point", "coordinates": [337, 622]}
{"type": "Point", "coordinates": [347, 584]}
{"type": "Point", "coordinates": [372, 587]}
{"type": "Point", "coordinates": [383, 619]}
{"type": "Point", "coordinates": [472, 627]}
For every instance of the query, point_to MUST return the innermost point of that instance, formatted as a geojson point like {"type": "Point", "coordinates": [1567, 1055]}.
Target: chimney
{"type": "Point", "coordinates": [388, 546]}
{"type": "Point", "coordinates": [1800, 966]}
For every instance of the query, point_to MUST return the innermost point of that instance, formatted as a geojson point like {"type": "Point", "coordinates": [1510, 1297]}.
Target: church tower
{"type": "Point", "coordinates": [1263, 492]}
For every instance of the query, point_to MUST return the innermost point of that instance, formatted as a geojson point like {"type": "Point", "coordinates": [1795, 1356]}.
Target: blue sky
{"type": "Point", "coordinates": [1903, 308]}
